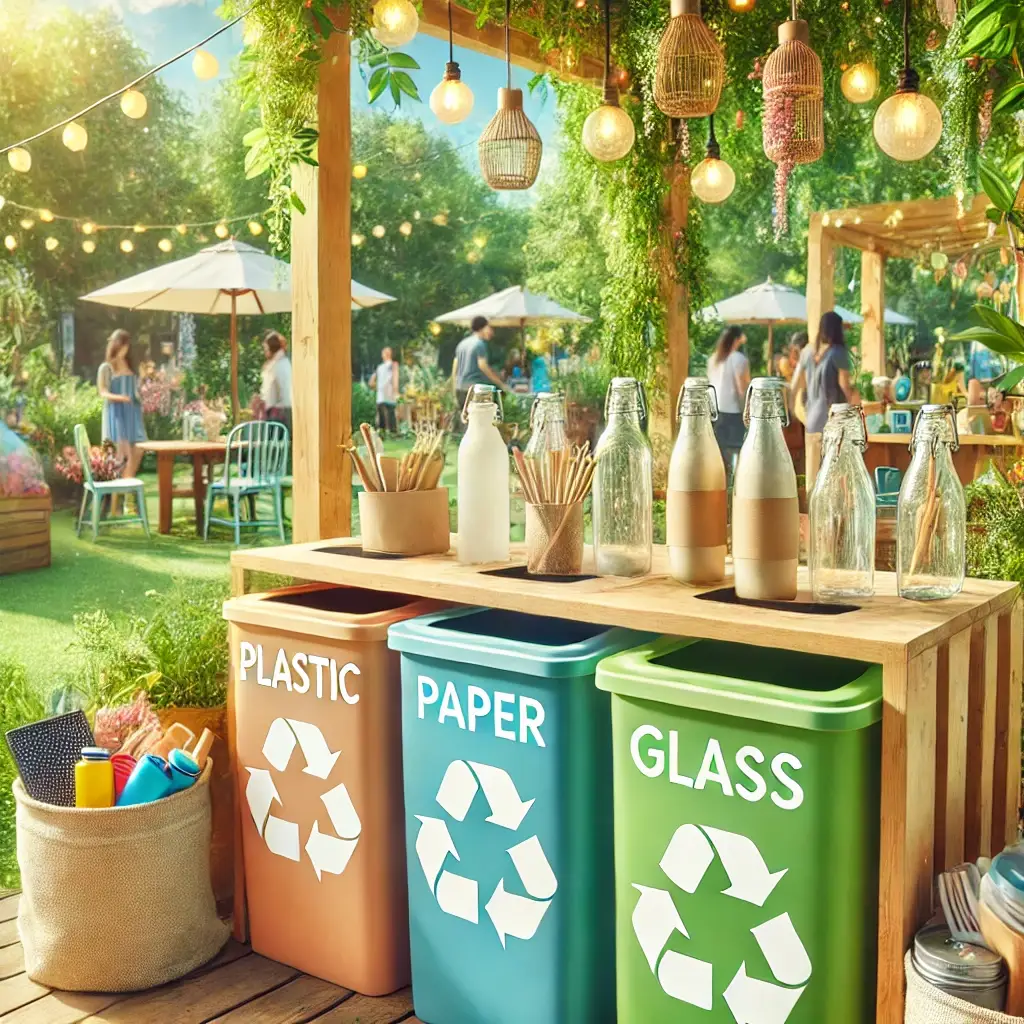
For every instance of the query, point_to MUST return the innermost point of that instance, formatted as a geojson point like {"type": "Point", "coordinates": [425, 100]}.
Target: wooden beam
{"type": "Point", "coordinates": [677, 297]}
{"type": "Point", "coordinates": [821, 267]}
{"type": "Point", "coordinates": [866, 241]}
{"type": "Point", "coordinates": [321, 314]}
{"type": "Point", "coordinates": [489, 39]}
{"type": "Point", "coordinates": [872, 303]}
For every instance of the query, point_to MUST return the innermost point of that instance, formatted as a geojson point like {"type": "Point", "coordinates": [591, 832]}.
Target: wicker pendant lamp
{"type": "Point", "coordinates": [510, 148]}
{"type": "Point", "coordinates": [690, 70]}
{"type": "Point", "coordinates": [794, 109]}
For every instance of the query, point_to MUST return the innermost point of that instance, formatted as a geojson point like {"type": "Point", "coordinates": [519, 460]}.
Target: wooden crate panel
{"type": "Point", "coordinates": [35, 503]}
{"type": "Point", "coordinates": [15, 524]}
{"type": "Point", "coordinates": [37, 557]}
{"type": "Point", "coordinates": [24, 533]}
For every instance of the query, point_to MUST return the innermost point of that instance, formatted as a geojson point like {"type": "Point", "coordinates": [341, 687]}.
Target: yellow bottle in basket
{"type": "Point", "coordinates": [94, 779]}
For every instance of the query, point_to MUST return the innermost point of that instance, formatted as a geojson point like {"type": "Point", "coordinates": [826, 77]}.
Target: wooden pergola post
{"type": "Point", "coordinates": [821, 264]}
{"type": "Point", "coordinates": [322, 314]}
{"type": "Point", "coordinates": [872, 293]}
{"type": "Point", "coordinates": [676, 294]}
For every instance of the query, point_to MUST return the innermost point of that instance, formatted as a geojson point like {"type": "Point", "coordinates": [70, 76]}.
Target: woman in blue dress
{"type": "Point", "coordinates": [122, 406]}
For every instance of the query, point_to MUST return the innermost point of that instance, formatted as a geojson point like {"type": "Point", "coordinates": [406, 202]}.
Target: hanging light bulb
{"type": "Point", "coordinates": [182, 229]}
{"type": "Point", "coordinates": [89, 246]}
{"type": "Point", "coordinates": [51, 243]}
{"type": "Point", "coordinates": [608, 132]}
{"type": "Point", "coordinates": [452, 100]}
{"type": "Point", "coordinates": [165, 245]}
{"type": "Point", "coordinates": [27, 223]}
{"type": "Point", "coordinates": [359, 171]}
{"type": "Point", "coordinates": [133, 104]}
{"type": "Point", "coordinates": [46, 216]}
{"type": "Point", "coordinates": [712, 179]}
{"type": "Point", "coordinates": [378, 231]}
{"type": "Point", "coordinates": [222, 230]}
{"type": "Point", "coordinates": [204, 65]}
{"type": "Point", "coordinates": [11, 243]}
{"type": "Point", "coordinates": [742, 6]}
{"type": "Point", "coordinates": [510, 148]}
{"type": "Point", "coordinates": [255, 228]}
{"type": "Point", "coordinates": [395, 22]}
{"type": "Point", "coordinates": [440, 219]}
{"type": "Point", "coordinates": [860, 82]}
{"type": "Point", "coordinates": [20, 160]}
{"type": "Point", "coordinates": [908, 124]}
{"type": "Point", "coordinates": [405, 228]}
{"type": "Point", "coordinates": [435, 329]}
{"type": "Point", "coordinates": [127, 246]}
{"type": "Point", "coordinates": [75, 137]}
{"type": "Point", "coordinates": [88, 228]}
{"type": "Point", "coordinates": [139, 229]}
{"type": "Point", "coordinates": [690, 69]}
{"type": "Point", "coordinates": [358, 239]}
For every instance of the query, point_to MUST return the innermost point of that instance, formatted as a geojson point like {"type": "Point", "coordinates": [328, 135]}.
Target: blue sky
{"type": "Point", "coordinates": [165, 27]}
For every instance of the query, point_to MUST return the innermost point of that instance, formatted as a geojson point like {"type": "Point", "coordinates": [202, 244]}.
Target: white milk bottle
{"type": "Point", "coordinates": [765, 511]}
{"type": "Point", "coordinates": [695, 514]}
{"type": "Point", "coordinates": [483, 481]}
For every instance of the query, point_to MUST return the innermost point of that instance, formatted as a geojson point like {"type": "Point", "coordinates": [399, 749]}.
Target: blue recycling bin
{"type": "Point", "coordinates": [506, 744]}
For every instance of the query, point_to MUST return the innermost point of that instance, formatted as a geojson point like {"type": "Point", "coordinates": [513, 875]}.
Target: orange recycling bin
{"type": "Point", "coordinates": [318, 763]}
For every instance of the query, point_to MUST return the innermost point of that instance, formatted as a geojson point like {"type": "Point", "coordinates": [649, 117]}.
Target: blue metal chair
{"type": "Point", "coordinates": [888, 480]}
{"type": "Point", "coordinates": [254, 464]}
{"type": "Point", "coordinates": [97, 490]}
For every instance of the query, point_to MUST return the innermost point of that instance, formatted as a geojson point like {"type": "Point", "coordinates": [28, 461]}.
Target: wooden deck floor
{"type": "Point", "coordinates": [238, 987]}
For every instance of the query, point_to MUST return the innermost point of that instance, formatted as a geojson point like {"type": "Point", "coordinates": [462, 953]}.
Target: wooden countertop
{"type": "Point", "coordinates": [966, 440]}
{"type": "Point", "coordinates": [882, 628]}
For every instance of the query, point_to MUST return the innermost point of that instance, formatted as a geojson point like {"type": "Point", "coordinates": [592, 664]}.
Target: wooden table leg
{"type": "Point", "coordinates": [199, 488]}
{"type": "Point", "coordinates": [165, 484]}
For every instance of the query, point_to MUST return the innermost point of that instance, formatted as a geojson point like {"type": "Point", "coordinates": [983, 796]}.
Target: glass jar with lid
{"type": "Point", "coordinates": [842, 511]}
{"type": "Point", "coordinates": [695, 507]}
{"type": "Point", "coordinates": [931, 518]}
{"type": "Point", "coordinates": [765, 510]}
{"type": "Point", "coordinates": [623, 491]}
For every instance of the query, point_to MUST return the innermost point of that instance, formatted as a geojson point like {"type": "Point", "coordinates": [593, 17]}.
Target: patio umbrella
{"type": "Point", "coordinates": [514, 307]}
{"type": "Point", "coordinates": [229, 278]}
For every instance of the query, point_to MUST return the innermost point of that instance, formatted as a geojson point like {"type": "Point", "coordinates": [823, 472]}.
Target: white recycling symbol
{"type": "Point", "coordinates": [690, 853]}
{"type": "Point", "coordinates": [511, 914]}
{"type": "Point", "coordinates": [330, 853]}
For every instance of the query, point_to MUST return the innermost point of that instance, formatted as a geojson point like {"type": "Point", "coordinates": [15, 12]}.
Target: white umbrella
{"type": "Point", "coordinates": [514, 307]}
{"type": "Point", "coordinates": [229, 278]}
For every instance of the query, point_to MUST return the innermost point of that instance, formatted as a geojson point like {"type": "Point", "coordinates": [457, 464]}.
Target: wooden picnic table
{"type": "Point", "coordinates": [204, 455]}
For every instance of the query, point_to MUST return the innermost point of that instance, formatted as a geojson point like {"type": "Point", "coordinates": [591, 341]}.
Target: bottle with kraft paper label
{"type": "Point", "coordinates": [695, 511]}
{"type": "Point", "coordinates": [765, 511]}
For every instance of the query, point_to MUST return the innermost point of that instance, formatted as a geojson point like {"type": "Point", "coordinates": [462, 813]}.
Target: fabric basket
{"type": "Point", "coordinates": [927, 1005]}
{"type": "Point", "coordinates": [118, 899]}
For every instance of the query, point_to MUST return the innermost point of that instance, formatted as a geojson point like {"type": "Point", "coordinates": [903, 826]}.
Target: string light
{"type": "Point", "coordinates": [51, 243]}
{"type": "Point", "coordinates": [89, 246]}
{"type": "Point", "coordinates": [11, 242]}
{"type": "Point", "coordinates": [395, 22]}
{"type": "Point", "coordinates": [435, 329]}
{"type": "Point", "coordinates": [255, 228]}
{"type": "Point", "coordinates": [88, 228]}
{"type": "Point", "coordinates": [133, 104]}
{"type": "Point", "coordinates": [479, 241]}
{"type": "Point", "coordinates": [378, 231]}
{"type": "Point", "coordinates": [182, 229]}
{"type": "Point", "coordinates": [440, 219]}
{"type": "Point", "coordinates": [860, 82]}
{"type": "Point", "coordinates": [359, 171]}
{"type": "Point", "coordinates": [405, 228]}
{"type": "Point", "coordinates": [222, 230]}
{"type": "Point", "coordinates": [139, 229]}
{"type": "Point", "coordinates": [127, 246]}
{"type": "Point", "coordinates": [27, 223]}
{"type": "Point", "coordinates": [46, 216]}
{"type": "Point", "coordinates": [205, 66]}
{"type": "Point", "coordinates": [358, 239]}
{"type": "Point", "coordinates": [20, 160]}
{"type": "Point", "coordinates": [75, 137]}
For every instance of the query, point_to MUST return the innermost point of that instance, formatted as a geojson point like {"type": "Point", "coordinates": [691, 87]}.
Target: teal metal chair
{"type": "Point", "coordinates": [254, 464]}
{"type": "Point", "coordinates": [97, 490]}
{"type": "Point", "coordinates": [888, 480]}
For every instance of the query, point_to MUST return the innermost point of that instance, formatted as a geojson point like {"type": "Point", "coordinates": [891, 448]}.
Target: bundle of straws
{"type": "Point", "coordinates": [557, 478]}
{"type": "Point", "coordinates": [418, 470]}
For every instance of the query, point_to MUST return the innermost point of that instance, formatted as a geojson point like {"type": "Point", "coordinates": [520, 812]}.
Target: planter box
{"type": "Point", "coordinates": [24, 533]}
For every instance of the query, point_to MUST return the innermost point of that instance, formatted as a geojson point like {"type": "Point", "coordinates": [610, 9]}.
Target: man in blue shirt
{"type": "Point", "coordinates": [470, 364]}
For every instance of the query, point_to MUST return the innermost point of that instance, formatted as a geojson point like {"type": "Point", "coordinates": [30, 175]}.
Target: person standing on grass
{"type": "Point", "coordinates": [122, 407]}
{"type": "Point", "coordinates": [470, 364]}
{"type": "Point", "coordinates": [276, 389]}
{"type": "Point", "coordinates": [385, 380]}
{"type": "Point", "coordinates": [729, 372]}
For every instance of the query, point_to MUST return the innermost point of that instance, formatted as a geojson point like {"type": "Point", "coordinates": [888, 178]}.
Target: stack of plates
{"type": "Point", "coordinates": [969, 972]}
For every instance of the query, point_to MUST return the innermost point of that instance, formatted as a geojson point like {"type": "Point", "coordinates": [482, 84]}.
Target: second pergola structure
{"type": "Point", "coordinates": [903, 230]}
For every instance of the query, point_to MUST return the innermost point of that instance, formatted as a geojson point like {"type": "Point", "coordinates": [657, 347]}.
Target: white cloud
{"type": "Point", "coordinates": [148, 6]}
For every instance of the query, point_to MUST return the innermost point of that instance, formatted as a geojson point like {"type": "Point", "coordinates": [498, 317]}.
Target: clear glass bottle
{"type": "Point", "coordinates": [695, 512]}
{"type": "Point", "coordinates": [483, 481]}
{"type": "Point", "coordinates": [931, 518]}
{"type": "Point", "coordinates": [765, 511]}
{"type": "Point", "coordinates": [842, 511]}
{"type": "Point", "coordinates": [623, 493]}
{"type": "Point", "coordinates": [547, 425]}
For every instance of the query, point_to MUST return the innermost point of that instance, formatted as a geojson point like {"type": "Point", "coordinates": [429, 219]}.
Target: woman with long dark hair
{"type": "Point", "coordinates": [118, 386]}
{"type": "Point", "coordinates": [825, 371]}
{"type": "Point", "coordinates": [729, 372]}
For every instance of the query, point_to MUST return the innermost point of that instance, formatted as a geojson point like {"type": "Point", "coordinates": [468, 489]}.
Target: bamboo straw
{"type": "Point", "coordinates": [573, 498]}
{"type": "Point", "coordinates": [373, 455]}
{"type": "Point", "coordinates": [369, 482]}
{"type": "Point", "coordinates": [927, 519]}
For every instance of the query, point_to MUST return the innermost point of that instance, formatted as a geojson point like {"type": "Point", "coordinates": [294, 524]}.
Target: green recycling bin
{"type": "Point", "coordinates": [746, 802]}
